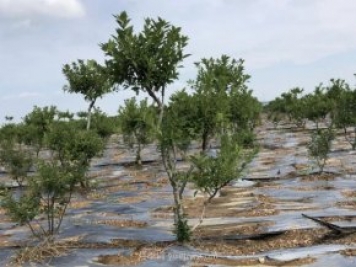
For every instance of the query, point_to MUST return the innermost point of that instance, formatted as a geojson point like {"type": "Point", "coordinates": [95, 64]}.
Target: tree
{"type": "Point", "coordinates": [320, 146]}
{"type": "Point", "coordinates": [137, 124]}
{"type": "Point", "coordinates": [147, 61]}
{"type": "Point", "coordinates": [50, 190]}
{"type": "Point", "coordinates": [317, 105]}
{"type": "Point", "coordinates": [245, 109]}
{"type": "Point", "coordinates": [294, 106]}
{"type": "Point", "coordinates": [89, 79]}
{"type": "Point", "coordinates": [101, 123]}
{"type": "Point", "coordinates": [213, 173]}
{"type": "Point", "coordinates": [290, 104]}
{"type": "Point", "coordinates": [185, 107]}
{"type": "Point", "coordinates": [343, 108]}
{"type": "Point", "coordinates": [14, 156]}
{"type": "Point", "coordinates": [72, 146]}
{"type": "Point", "coordinates": [36, 124]}
{"type": "Point", "coordinates": [217, 89]}
{"type": "Point", "coordinates": [17, 162]}
{"type": "Point", "coordinates": [275, 110]}
{"type": "Point", "coordinates": [207, 174]}
{"type": "Point", "coordinates": [173, 141]}
{"type": "Point", "coordinates": [244, 115]}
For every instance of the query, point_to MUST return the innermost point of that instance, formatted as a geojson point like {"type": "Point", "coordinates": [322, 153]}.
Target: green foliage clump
{"type": "Point", "coordinates": [101, 123]}
{"type": "Point", "coordinates": [183, 231]}
{"type": "Point", "coordinates": [17, 163]}
{"type": "Point", "coordinates": [15, 157]}
{"type": "Point", "coordinates": [317, 105]}
{"type": "Point", "coordinates": [147, 61]}
{"type": "Point", "coordinates": [47, 193]}
{"type": "Point", "coordinates": [221, 101]}
{"type": "Point", "coordinates": [320, 146]}
{"type": "Point", "coordinates": [213, 173]}
{"type": "Point", "coordinates": [291, 105]}
{"type": "Point", "coordinates": [137, 122]}
{"type": "Point", "coordinates": [90, 79]}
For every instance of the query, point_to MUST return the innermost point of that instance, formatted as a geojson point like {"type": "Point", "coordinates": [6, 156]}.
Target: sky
{"type": "Point", "coordinates": [285, 44]}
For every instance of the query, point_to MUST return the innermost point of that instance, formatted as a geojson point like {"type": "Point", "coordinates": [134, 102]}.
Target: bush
{"type": "Point", "coordinates": [320, 146]}
{"type": "Point", "coordinates": [183, 231]}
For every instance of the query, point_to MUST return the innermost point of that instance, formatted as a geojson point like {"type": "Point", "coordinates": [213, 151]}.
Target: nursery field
{"type": "Point", "coordinates": [280, 213]}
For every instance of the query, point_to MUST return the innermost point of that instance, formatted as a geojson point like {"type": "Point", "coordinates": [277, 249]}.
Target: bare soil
{"type": "Point", "coordinates": [290, 239]}
{"type": "Point", "coordinates": [250, 262]}
{"type": "Point", "coordinates": [317, 177]}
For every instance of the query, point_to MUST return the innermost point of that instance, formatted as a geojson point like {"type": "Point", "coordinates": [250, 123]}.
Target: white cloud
{"type": "Point", "coordinates": [58, 8]}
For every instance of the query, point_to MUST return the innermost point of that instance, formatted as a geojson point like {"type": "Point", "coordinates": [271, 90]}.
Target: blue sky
{"type": "Point", "coordinates": [285, 43]}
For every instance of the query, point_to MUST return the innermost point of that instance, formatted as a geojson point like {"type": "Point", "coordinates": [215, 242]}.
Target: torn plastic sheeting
{"type": "Point", "coordinates": [333, 212]}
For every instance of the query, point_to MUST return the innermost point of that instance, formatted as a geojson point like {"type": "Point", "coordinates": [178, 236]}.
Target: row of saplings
{"type": "Point", "coordinates": [57, 148]}
{"type": "Point", "coordinates": [332, 106]}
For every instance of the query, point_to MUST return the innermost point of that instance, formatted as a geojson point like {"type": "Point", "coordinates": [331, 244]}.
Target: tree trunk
{"type": "Point", "coordinates": [205, 140]}
{"type": "Point", "coordinates": [159, 102]}
{"type": "Point", "coordinates": [178, 209]}
{"type": "Point", "coordinates": [161, 108]}
{"type": "Point", "coordinates": [154, 97]}
{"type": "Point", "coordinates": [138, 155]}
{"type": "Point", "coordinates": [92, 103]}
{"type": "Point", "coordinates": [182, 229]}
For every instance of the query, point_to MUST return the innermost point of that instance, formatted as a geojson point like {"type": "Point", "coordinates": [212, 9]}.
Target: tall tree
{"type": "Point", "coordinates": [147, 61]}
{"type": "Point", "coordinates": [89, 79]}
{"type": "Point", "coordinates": [173, 140]}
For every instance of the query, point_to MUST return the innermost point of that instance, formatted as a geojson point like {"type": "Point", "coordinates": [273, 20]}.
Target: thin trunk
{"type": "Point", "coordinates": [48, 213]}
{"type": "Point", "coordinates": [33, 231]}
{"type": "Point", "coordinates": [321, 163]}
{"type": "Point", "coordinates": [138, 155]}
{"type": "Point", "coordinates": [161, 107]}
{"type": "Point", "coordinates": [61, 216]}
{"type": "Point", "coordinates": [202, 215]}
{"type": "Point", "coordinates": [92, 103]}
{"type": "Point", "coordinates": [169, 165]}
{"type": "Point", "coordinates": [178, 210]}
{"type": "Point", "coordinates": [154, 97]}
{"type": "Point", "coordinates": [159, 102]}
{"type": "Point", "coordinates": [206, 202]}
{"type": "Point", "coordinates": [205, 140]}
{"type": "Point", "coordinates": [52, 215]}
